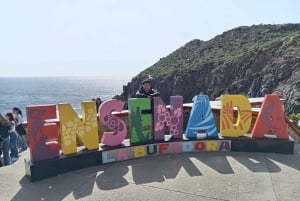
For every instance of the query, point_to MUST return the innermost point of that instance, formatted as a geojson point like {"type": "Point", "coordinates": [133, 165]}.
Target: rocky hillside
{"type": "Point", "coordinates": [255, 60]}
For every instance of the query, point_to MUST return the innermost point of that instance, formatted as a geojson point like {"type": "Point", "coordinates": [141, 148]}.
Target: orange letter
{"type": "Point", "coordinates": [270, 118]}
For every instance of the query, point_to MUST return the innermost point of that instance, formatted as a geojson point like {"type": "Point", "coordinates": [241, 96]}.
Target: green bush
{"type": "Point", "coordinates": [295, 118]}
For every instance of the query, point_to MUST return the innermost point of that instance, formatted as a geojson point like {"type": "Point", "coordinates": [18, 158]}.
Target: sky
{"type": "Point", "coordinates": [118, 37]}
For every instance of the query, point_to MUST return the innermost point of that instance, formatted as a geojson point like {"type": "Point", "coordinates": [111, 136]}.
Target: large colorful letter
{"type": "Point", "coordinates": [43, 137]}
{"type": "Point", "coordinates": [162, 117]}
{"type": "Point", "coordinates": [72, 127]}
{"type": "Point", "coordinates": [140, 118]}
{"type": "Point", "coordinates": [201, 118]}
{"type": "Point", "coordinates": [116, 124]}
{"type": "Point", "coordinates": [244, 115]}
{"type": "Point", "coordinates": [270, 119]}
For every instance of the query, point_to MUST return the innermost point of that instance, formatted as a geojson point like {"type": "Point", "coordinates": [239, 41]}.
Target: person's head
{"type": "Point", "coordinates": [146, 85]}
{"type": "Point", "coordinates": [3, 121]}
{"type": "Point", "coordinates": [16, 111]}
{"type": "Point", "coordinates": [98, 100]}
{"type": "Point", "coordinates": [9, 116]}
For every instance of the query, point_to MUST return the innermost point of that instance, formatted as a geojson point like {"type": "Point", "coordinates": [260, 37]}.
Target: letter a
{"type": "Point", "coordinates": [270, 118]}
{"type": "Point", "coordinates": [201, 118]}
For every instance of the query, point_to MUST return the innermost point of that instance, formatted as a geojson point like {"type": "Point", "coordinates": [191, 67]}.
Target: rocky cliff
{"type": "Point", "coordinates": [254, 61]}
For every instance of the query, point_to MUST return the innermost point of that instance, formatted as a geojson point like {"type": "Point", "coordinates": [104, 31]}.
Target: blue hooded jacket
{"type": "Point", "coordinates": [4, 131]}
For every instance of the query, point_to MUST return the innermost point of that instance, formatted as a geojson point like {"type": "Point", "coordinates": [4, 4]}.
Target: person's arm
{"type": "Point", "coordinates": [18, 120]}
{"type": "Point", "coordinates": [154, 93]}
{"type": "Point", "coordinates": [139, 94]}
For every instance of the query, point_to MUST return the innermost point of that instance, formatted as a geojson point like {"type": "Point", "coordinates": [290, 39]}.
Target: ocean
{"type": "Point", "coordinates": [23, 91]}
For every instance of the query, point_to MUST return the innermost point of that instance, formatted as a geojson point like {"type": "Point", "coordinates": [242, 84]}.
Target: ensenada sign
{"type": "Point", "coordinates": [144, 134]}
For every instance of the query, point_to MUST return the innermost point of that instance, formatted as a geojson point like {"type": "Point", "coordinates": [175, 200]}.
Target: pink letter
{"type": "Point", "coordinates": [116, 124]}
{"type": "Point", "coordinates": [162, 117]}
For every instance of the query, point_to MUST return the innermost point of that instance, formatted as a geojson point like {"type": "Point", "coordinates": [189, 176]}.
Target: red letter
{"type": "Point", "coordinates": [270, 118]}
{"type": "Point", "coordinates": [43, 137]}
{"type": "Point", "coordinates": [162, 147]}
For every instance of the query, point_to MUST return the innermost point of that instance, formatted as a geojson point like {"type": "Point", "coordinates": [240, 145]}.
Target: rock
{"type": "Point", "coordinates": [254, 61]}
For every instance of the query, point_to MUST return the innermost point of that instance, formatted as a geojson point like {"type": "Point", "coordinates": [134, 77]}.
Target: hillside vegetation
{"type": "Point", "coordinates": [254, 61]}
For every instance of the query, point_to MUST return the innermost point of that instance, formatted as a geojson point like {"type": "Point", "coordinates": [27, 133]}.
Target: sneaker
{"type": "Point", "coordinates": [14, 159]}
{"type": "Point", "coordinates": [21, 150]}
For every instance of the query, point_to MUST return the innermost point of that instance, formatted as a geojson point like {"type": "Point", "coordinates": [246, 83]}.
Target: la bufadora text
{"type": "Point", "coordinates": [164, 148]}
{"type": "Point", "coordinates": [146, 125]}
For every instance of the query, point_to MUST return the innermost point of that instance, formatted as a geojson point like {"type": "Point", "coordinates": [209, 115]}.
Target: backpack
{"type": "Point", "coordinates": [20, 129]}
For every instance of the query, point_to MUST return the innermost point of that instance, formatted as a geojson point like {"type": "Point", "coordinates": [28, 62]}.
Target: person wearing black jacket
{"type": "Point", "coordinates": [4, 135]}
{"type": "Point", "coordinates": [146, 91]}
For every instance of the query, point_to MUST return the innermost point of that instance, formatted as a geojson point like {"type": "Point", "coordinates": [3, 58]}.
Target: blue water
{"type": "Point", "coordinates": [23, 91]}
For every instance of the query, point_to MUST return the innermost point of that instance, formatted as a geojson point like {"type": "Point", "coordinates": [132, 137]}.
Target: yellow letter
{"type": "Point", "coordinates": [211, 145]}
{"type": "Point", "coordinates": [72, 127]}
{"type": "Point", "coordinates": [139, 151]}
{"type": "Point", "coordinates": [244, 116]}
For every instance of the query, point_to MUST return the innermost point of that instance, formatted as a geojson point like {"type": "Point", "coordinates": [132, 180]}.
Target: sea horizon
{"type": "Point", "coordinates": [21, 91]}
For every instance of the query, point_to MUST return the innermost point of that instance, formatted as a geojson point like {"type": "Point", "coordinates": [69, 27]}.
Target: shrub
{"type": "Point", "coordinates": [295, 118]}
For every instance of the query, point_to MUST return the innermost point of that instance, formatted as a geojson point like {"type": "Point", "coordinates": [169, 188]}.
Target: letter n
{"type": "Point", "coordinates": [270, 119]}
{"type": "Point", "coordinates": [162, 117]}
{"type": "Point", "coordinates": [43, 137]}
{"type": "Point", "coordinates": [72, 127]}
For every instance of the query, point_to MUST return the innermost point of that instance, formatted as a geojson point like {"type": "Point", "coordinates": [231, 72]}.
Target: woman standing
{"type": "Point", "coordinates": [4, 127]}
{"type": "Point", "coordinates": [18, 117]}
{"type": "Point", "coordinates": [14, 154]}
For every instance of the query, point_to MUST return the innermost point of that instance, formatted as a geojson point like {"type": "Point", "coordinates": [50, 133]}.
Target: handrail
{"type": "Point", "coordinates": [292, 125]}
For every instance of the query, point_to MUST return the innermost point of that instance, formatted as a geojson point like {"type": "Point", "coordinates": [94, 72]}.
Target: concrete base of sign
{"type": "Point", "coordinates": [268, 144]}
{"type": "Point", "coordinates": [83, 158]}
{"type": "Point", "coordinates": [53, 167]}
